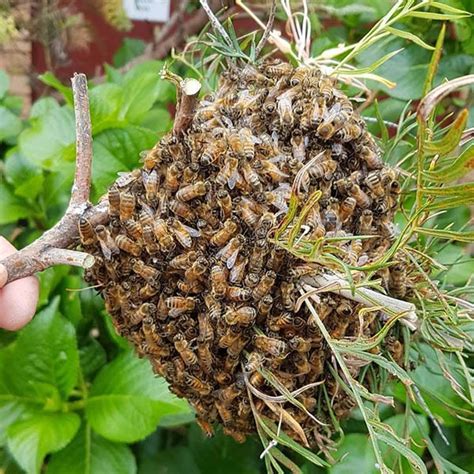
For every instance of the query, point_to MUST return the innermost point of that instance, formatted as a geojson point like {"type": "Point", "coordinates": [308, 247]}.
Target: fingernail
{"type": "Point", "coordinates": [3, 276]}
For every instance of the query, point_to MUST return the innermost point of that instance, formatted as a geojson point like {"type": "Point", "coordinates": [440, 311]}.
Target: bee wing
{"type": "Point", "coordinates": [232, 259]}
{"type": "Point", "coordinates": [223, 250]}
{"type": "Point", "coordinates": [125, 178]}
{"type": "Point", "coordinates": [234, 178]}
{"type": "Point", "coordinates": [105, 250]}
{"type": "Point", "coordinates": [191, 231]}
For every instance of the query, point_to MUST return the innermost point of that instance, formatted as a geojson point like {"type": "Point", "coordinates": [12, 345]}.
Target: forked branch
{"type": "Point", "coordinates": [53, 247]}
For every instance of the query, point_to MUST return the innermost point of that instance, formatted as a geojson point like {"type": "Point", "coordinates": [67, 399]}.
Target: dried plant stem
{"type": "Point", "coordinates": [366, 296]}
{"type": "Point", "coordinates": [52, 247]}
{"type": "Point", "coordinates": [186, 107]}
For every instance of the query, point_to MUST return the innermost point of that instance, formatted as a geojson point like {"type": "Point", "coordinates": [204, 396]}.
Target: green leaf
{"type": "Point", "coordinates": [44, 355]}
{"type": "Point", "coordinates": [92, 357]}
{"type": "Point", "coordinates": [10, 124]}
{"type": "Point", "coordinates": [403, 425]}
{"type": "Point", "coordinates": [126, 400]}
{"type": "Point", "coordinates": [26, 177]}
{"type": "Point", "coordinates": [130, 49]}
{"type": "Point", "coordinates": [435, 16]}
{"type": "Point", "coordinates": [113, 75]}
{"type": "Point", "coordinates": [447, 234]}
{"type": "Point", "coordinates": [453, 170]}
{"type": "Point", "coordinates": [451, 138]}
{"type": "Point", "coordinates": [105, 104]}
{"type": "Point", "coordinates": [117, 150]}
{"type": "Point", "coordinates": [31, 439]}
{"type": "Point", "coordinates": [50, 140]}
{"type": "Point", "coordinates": [12, 208]}
{"type": "Point", "coordinates": [176, 460]}
{"type": "Point", "coordinates": [43, 106]}
{"type": "Point", "coordinates": [158, 120]}
{"type": "Point", "coordinates": [355, 450]}
{"type": "Point", "coordinates": [4, 83]}
{"type": "Point", "coordinates": [89, 453]}
{"type": "Point", "coordinates": [51, 80]}
{"type": "Point", "coordinates": [410, 37]}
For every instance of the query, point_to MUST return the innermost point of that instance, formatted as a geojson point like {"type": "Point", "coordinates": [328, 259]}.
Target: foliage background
{"type": "Point", "coordinates": [73, 398]}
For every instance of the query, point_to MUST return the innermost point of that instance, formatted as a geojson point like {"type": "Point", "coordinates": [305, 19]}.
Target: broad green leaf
{"type": "Point", "coordinates": [130, 49]}
{"type": "Point", "coordinates": [92, 357]}
{"type": "Point", "coordinates": [31, 439]}
{"type": "Point", "coordinates": [113, 75]}
{"type": "Point", "coordinates": [105, 104]}
{"type": "Point", "coordinates": [118, 149]}
{"type": "Point", "coordinates": [89, 453]}
{"type": "Point", "coordinates": [355, 450]}
{"type": "Point", "coordinates": [51, 80]}
{"type": "Point", "coordinates": [26, 177]}
{"type": "Point", "coordinates": [178, 460]}
{"type": "Point", "coordinates": [4, 83]}
{"type": "Point", "coordinates": [126, 400]}
{"type": "Point", "coordinates": [50, 140]}
{"type": "Point", "coordinates": [43, 106]}
{"type": "Point", "coordinates": [13, 103]}
{"type": "Point", "coordinates": [12, 207]}
{"type": "Point", "coordinates": [10, 124]}
{"type": "Point", "coordinates": [44, 355]}
{"type": "Point", "coordinates": [406, 426]}
{"type": "Point", "coordinates": [49, 280]}
{"type": "Point", "coordinates": [158, 120]}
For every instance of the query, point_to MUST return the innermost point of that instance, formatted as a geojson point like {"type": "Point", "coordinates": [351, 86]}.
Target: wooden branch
{"type": "Point", "coordinates": [188, 99]}
{"type": "Point", "coordinates": [53, 247]}
{"type": "Point", "coordinates": [82, 179]}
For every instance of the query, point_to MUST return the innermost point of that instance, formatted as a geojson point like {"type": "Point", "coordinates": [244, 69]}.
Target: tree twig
{"type": "Point", "coordinates": [53, 247]}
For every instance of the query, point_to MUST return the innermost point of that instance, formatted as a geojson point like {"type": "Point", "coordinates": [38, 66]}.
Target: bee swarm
{"type": "Point", "coordinates": [188, 268]}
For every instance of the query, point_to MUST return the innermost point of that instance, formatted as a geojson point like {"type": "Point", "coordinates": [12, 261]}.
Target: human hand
{"type": "Point", "coordinates": [18, 299]}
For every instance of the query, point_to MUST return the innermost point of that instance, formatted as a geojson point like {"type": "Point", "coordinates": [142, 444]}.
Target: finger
{"type": "Point", "coordinates": [18, 299]}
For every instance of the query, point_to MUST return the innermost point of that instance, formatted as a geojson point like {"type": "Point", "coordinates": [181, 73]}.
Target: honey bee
{"type": "Point", "coordinates": [395, 349]}
{"type": "Point", "coordinates": [113, 197]}
{"type": "Point", "coordinates": [398, 280]}
{"type": "Point", "coordinates": [190, 287]}
{"type": "Point", "coordinates": [271, 170]}
{"type": "Point", "coordinates": [149, 239]}
{"type": "Point", "coordinates": [224, 201]}
{"type": "Point", "coordinates": [197, 385]}
{"type": "Point", "coordinates": [183, 261]}
{"type": "Point", "coordinates": [365, 222]}
{"type": "Point", "coordinates": [323, 169]}
{"type": "Point", "coordinates": [299, 75]}
{"type": "Point", "coordinates": [126, 244]}
{"type": "Point", "coordinates": [173, 175]}
{"type": "Point", "coordinates": [285, 111]}
{"type": "Point", "coordinates": [371, 158]}
{"type": "Point", "coordinates": [238, 294]}
{"type": "Point", "coordinates": [127, 206]}
{"type": "Point", "coordinates": [299, 344]}
{"type": "Point", "coordinates": [276, 259]}
{"type": "Point", "coordinates": [145, 310]}
{"type": "Point", "coordinates": [346, 209]}
{"type": "Point", "coordinates": [213, 152]}
{"type": "Point", "coordinates": [265, 285]}
{"type": "Point", "coordinates": [182, 232]}
{"type": "Point", "coordinates": [297, 142]}
{"type": "Point", "coordinates": [182, 210]}
{"type": "Point", "coordinates": [264, 307]}
{"type": "Point", "coordinates": [244, 409]}
{"type": "Point", "coordinates": [361, 198]}
{"type": "Point", "coordinates": [222, 236]}
{"type": "Point", "coordinates": [206, 427]}
{"type": "Point", "coordinates": [248, 216]}
{"type": "Point", "coordinates": [150, 182]}
{"type": "Point", "coordinates": [191, 172]}
{"type": "Point", "coordinates": [350, 131]}
{"type": "Point", "coordinates": [197, 269]}
{"type": "Point", "coordinates": [354, 251]}
{"type": "Point", "coordinates": [218, 282]}
{"type": "Point", "coordinates": [164, 236]}
{"type": "Point", "coordinates": [230, 393]}
{"type": "Point", "coordinates": [86, 232]}
{"type": "Point", "coordinates": [254, 362]}
{"type": "Point", "coordinates": [326, 87]}
{"type": "Point", "coordinates": [302, 364]}
{"type": "Point", "coordinates": [107, 244]}
{"type": "Point", "coordinates": [281, 321]}
{"type": "Point", "coordinates": [148, 291]}
{"type": "Point", "coordinates": [237, 273]}
{"type": "Point", "coordinates": [265, 224]}
{"type": "Point", "coordinates": [270, 345]}
{"type": "Point", "coordinates": [134, 229]}
{"type": "Point", "coordinates": [228, 173]}
{"type": "Point", "coordinates": [222, 378]}
{"type": "Point", "coordinates": [243, 316]}
{"type": "Point", "coordinates": [230, 336]}
{"type": "Point", "coordinates": [257, 258]}
{"type": "Point", "coordinates": [251, 176]}
{"type": "Point", "coordinates": [287, 289]}
{"type": "Point", "coordinates": [206, 332]}
{"type": "Point", "coordinates": [374, 183]}
{"type": "Point", "coordinates": [224, 412]}
{"type": "Point", "coordinates": [148, 273]}
{"type": "Point", "coordinates": [182, 346]}
{"type": "Point", "coordinates": [278, 69]}
{"type": "Point", "coordinates": [251, 280]}
{"type": "Point", "coordinates": [179, 305]}
{"type": "Point", "coordinates": [230, 252]}
{"type": "Point", "coordinates": [213, 306]}
{"type": "Point", "coordinates": [192, 191]}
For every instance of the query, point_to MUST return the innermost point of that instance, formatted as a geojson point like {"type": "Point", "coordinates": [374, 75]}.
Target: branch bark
{"type": "Point", "coordinates": [53, 247]}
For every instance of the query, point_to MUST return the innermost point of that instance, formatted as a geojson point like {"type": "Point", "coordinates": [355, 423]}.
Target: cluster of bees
{"type": "Point", "coordinates": [188, 268]}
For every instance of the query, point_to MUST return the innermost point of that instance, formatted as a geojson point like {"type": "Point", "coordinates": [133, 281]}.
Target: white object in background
{"type": "Point", "coordinates": [148, 10]}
